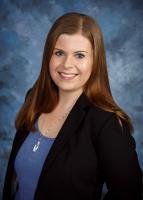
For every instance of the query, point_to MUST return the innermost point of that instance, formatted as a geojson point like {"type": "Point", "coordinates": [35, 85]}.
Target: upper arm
{"type": "Point", "coordinates": [118, 161]}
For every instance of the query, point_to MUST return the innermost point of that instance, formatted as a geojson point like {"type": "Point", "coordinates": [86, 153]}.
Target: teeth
{"type": "Point", "coordinates": [67, 75]}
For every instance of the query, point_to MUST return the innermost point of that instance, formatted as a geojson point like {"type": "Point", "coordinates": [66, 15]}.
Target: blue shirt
{"type": "Point", "coordinates": [28, 164]}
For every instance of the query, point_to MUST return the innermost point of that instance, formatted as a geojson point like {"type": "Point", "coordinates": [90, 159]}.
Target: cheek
{"type": "Point", "coordinates": [86, 68]}
{"type": "Point", "coordinates": [54, 63]}
{"type": "Point", "coordinates": [52, 66]}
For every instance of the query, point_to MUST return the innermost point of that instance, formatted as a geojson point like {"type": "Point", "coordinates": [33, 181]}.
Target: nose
{"type": "Point", "coordinates": [68, 62]}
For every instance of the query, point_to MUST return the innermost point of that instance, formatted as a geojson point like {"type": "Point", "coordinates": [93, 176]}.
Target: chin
{"type": "Point", "coordinates": [69, 89]}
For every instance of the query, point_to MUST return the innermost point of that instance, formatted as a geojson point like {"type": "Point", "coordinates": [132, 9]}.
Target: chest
{"type": "Point", "coordinates": [50, 124]}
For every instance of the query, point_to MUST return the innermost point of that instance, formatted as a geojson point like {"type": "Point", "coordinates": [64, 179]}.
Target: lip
{"type": "Point", "coordinates": [68, 73]}
{"type": "Point", "coordinates": [61, 74]}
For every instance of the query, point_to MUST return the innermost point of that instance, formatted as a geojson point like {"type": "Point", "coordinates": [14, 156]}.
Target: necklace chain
{"type": "Point", "coordinates": [51, 127]}
{"type": "Point", "coordinates": [61, 117]}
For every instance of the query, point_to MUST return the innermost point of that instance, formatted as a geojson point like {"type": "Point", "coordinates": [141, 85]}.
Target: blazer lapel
{"type": "Point", "coordinates": [69, 128]}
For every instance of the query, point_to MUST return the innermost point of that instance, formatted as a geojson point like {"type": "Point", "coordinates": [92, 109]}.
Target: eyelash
{"type": "Point", "coordinates": [81, 55]}
{"type": "Point", "coordinates": [58, 52]}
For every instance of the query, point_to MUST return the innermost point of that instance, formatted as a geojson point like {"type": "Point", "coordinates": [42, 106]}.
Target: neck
{"type": "Point", "coordinates": [67, 98]}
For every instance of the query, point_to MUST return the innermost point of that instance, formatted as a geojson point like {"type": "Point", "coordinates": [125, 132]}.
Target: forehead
{"type": "Point", "coordinates": [73, 42]}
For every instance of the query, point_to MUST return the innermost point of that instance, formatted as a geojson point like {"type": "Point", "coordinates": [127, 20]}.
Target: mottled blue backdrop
{"type": "Point", "coordinates": [23, 30]}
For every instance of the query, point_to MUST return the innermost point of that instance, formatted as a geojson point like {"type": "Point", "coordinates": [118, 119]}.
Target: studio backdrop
{"type": "Point", "coordinates": [23, 30]}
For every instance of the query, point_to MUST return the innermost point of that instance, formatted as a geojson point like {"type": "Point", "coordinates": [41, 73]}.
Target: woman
{"type": "Point", "coordinates": [71, 136]}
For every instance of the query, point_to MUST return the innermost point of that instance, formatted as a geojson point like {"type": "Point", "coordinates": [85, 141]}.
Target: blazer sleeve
{"type": "Point", "coordinates": [118, 161]}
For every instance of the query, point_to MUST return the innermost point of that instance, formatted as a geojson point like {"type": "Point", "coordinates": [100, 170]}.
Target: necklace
{"type": "Point", "coordinates": [52, 126]}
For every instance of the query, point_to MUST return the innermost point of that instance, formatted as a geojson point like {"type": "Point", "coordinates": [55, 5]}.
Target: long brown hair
{"type": "Point", "coordinates": [43, 96]}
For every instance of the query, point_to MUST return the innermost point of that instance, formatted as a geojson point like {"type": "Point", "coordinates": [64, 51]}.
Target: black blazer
{"type": "Point", "coordinates": [90, 149]}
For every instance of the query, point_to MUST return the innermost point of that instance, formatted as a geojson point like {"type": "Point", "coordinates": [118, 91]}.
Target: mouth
{"type": "Point", "coordinates": [67, 76]}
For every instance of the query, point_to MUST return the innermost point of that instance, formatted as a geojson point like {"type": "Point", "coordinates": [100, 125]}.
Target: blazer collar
{"type": "Point", "coordinates": [83, 101]}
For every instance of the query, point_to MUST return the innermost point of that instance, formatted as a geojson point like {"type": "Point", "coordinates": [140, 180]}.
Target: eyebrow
{"type": "Point", "coordinates": [74, 52]}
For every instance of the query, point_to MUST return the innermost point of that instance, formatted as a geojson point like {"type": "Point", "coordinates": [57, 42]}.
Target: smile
{"type": "Point", "coordinates": [67, 76]}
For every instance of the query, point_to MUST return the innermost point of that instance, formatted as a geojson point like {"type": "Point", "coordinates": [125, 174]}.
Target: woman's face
{"type": "Point", "coordinates": [71, 62]}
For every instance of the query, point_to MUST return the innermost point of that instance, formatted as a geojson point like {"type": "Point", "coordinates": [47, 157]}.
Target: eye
{"type": "Point", "coordinates": [80, 55]}
{"type": "Point", "coordinates": [58, 53]}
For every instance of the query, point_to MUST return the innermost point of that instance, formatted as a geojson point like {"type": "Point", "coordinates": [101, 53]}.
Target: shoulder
{"type": "Point", "coordinates": [100, 113]}
{"type": "Point", "coordinates": [99, 116]}
{"type": "Point", "coordinates": [94, 113]}
{"type": "Point", "coordinates": [108, 122]}
{"type": "Point", "coordinates": [108, 134]}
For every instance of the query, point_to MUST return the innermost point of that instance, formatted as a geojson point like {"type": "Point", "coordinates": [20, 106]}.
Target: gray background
{"type": "Point", "coordinates": [24, 27]}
